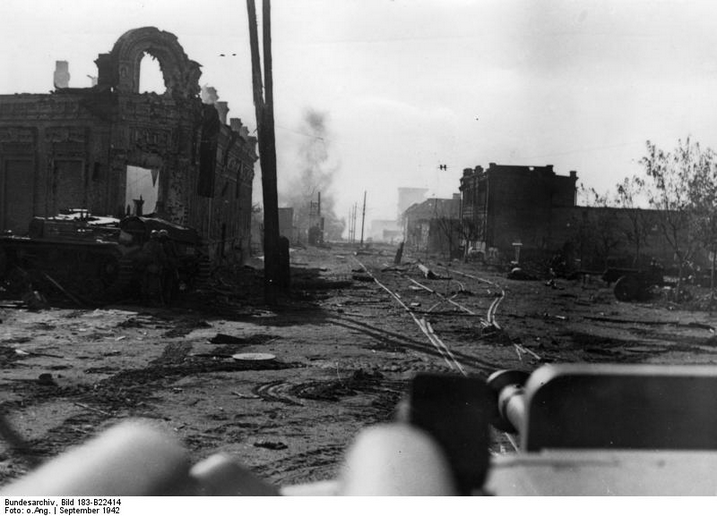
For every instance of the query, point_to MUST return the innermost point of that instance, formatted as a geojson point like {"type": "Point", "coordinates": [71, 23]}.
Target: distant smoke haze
{"type": "Point", "coordinates": [316, 171]}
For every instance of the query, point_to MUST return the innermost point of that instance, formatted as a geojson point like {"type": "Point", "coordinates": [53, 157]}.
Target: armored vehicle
{"type": "Point", "coordinates": [92, 259]}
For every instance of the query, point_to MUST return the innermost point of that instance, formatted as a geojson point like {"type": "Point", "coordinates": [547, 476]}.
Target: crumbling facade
{"type": "Point", "coordinates": [603, 237]}
{"type": "Point", "coordinates": [512, 211]}
{"type": "Point", "coordinates": [505, 205]}
{"type": "Point", "coordinates": [433, 226]}
{"type": "Point", "coordinates": [88, 147]}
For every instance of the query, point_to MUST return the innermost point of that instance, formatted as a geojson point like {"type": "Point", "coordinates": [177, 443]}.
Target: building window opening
{"type": "Point", "coordinates": [68, 184]}
{"type": "Point", "coordinates": [151, 78]}
{"type": "Point", "coordinates": [142, 190]}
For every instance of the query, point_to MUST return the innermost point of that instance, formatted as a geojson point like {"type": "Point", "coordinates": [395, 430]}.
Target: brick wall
{"type": "Point", "coordinates": [71, 148]}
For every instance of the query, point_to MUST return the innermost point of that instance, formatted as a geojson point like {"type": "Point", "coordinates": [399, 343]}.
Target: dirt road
{"type": "Point", "coordinates": [284, 389]}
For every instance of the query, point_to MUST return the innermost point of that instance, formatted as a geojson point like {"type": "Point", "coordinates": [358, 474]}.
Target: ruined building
{"type": "Point", "coordinates": [531, 212]}
{"type": "Point", "coordinates": [433, 226]}
{"type": "Point", "coordinates": [505, 205]}
{"type": "Point", "coordinates": [92, 147]}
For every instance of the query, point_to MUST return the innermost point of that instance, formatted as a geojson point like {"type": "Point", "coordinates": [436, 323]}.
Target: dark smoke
{"type": "Point", "coordinates": [316, 174]}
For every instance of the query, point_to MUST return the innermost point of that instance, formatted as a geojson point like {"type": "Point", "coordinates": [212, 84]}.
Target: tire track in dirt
{"type": "Point", "coordinates": [127, 390]}
{"type": "Point", "coordinates": [359, 382]}
{"type": "Point", "coordinates": [322, 463]}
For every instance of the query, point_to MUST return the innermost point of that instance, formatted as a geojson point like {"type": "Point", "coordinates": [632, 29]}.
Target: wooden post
{"type": "Point", "coordinates": [363, 216]}
{"type": "Point", "coordinates": [712, 276]}
{"type": "Point", "coordinates": [264, 107]}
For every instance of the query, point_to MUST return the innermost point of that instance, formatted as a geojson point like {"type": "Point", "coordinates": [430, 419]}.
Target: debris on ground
{"type": "Point", "coordinates": [427, 273]}
{"type": "Point", "coordinates": [246, 396]}
{"type": "Point", "coordinates": [221, 338]}
{"type": "Point", "coordinates": [35, 301]}
{"type": "Point", "coordinates": [253, 357]}
{"type": "Point", "coordinates": [270, 445]}
{"type": "Point", "coordinates": [361, 276]}
{"type": "Point", "coordinates": [47, 380]}
{"type": "Point", "coordinates": [346, 354]}
{"type": "Point", "coordinates": [36, 354]}
{"type": "Point", "coordinates": [516, 273]}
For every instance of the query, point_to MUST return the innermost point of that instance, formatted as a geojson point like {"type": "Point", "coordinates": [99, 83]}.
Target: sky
{"type": "Point", "coordinates": [407, 85]}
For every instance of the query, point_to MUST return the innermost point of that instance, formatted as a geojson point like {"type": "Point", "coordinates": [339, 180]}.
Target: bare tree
{"type": "Point", "coordinates": [638, 231]}
{"type": "Point", "coordinates": [446, 220]}
{"type": "Point", "coordinates": [469, 231]}
{"type": "Point", "coordinates": [672, 182]}
{"type": "Point", "coordinates": [703, 195]}
{"type": "Point", "coordinates": [449, 235]}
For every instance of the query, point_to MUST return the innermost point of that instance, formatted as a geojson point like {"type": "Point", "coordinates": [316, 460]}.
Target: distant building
{"type": "Point", "coordinates": [509, 207]}
{"type": "Point", "coordinates": [505, 205]}
{"type": "Point", "coordinates": [392, 236]}
{"type": "Point", "coordinates": [101, 148]}
{"type": "Point", "coordinates": [601, 237]}
{"type": "Point", "coordinates": [388, 231]}
{"type": "Point", "coordinates": [408, 197]}
{"type": "Point", "coordinates": [434, 226]}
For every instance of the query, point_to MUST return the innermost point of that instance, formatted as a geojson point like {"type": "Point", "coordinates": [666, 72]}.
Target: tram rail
{"type": "Point", "coordinates": [489, 321]}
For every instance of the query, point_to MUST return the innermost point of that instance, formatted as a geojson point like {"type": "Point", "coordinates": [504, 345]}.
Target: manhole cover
{"type": "Point", "coordinates": [253, 356]}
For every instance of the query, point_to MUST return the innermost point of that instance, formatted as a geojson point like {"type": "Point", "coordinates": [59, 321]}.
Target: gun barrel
{"type": "Point", "coordinates": [509, 397]}
{"type": "Point", "coordinates": [511, 406]}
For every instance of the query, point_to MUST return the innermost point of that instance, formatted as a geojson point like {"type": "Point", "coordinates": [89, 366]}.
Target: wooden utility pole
{"type": "Point", "coordinates": [264, 108]}
{"type": "Point", "coordinates": [348, 220]}
{"type": "Point", "coordinates": [321, 222]}
{"type": "Point", "coordinates": [353, 223]}
{"type": "Point", "coordinates": [363, 216]}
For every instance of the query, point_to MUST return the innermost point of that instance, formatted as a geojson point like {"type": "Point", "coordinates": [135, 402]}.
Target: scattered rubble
{"type": "Point", "coordinates": [332, 364]}
{"type": "Point", "coordinates": [271, 445]}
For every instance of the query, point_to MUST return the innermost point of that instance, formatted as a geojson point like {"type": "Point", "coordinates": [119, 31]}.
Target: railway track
{"type": "Point", "coordinates": [487, 323]}
{"type": "Point", "coordinates": [493, 308]}
{"type": "Point", "coordinates": [483, 318]}
{"type": "Point", "coordinates": [424, 325]}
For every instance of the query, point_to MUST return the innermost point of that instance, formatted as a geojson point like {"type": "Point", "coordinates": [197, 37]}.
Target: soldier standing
{"type": "Point", "coordinates": [170, 274]}
{"type": "Point", "coordinates": [154, 263]}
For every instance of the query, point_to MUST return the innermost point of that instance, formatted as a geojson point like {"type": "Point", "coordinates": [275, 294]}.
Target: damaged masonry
{"type": "Point", "coordinates": [113, 151]}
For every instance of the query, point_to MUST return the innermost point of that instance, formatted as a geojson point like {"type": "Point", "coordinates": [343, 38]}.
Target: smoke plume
{"type": "Point", "coordinates": [315, 175]}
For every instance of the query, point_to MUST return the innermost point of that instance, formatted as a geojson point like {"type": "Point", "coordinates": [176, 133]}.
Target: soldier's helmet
{"type": "Point", "coordinates": [163, 233]}
{"type": "Point", "coordinates": [154, 234]}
